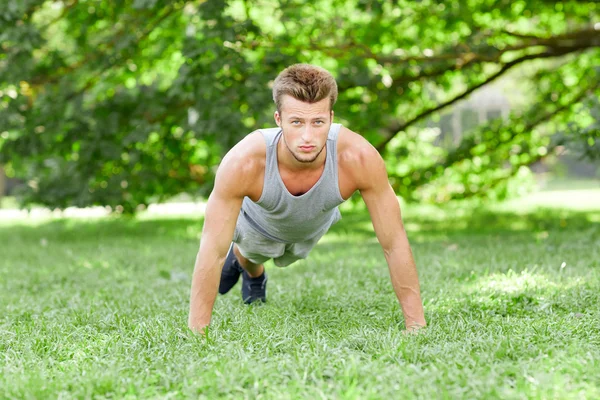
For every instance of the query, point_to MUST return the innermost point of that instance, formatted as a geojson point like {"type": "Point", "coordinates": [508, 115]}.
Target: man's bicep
{"type": "Point", "coordinates": [224, 203]}
{"type": "Point", "coordinates": [382, 203]}
{"type": "Point", "coordinates": [220, 218]}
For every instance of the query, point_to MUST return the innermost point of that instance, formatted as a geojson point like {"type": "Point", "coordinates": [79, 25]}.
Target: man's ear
{"type": "Point", "coordinates": [277, 118]}
{"type": "Point", "coordinates": [332, 115]}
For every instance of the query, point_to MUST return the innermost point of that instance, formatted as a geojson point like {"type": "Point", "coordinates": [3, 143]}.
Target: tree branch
{"type": "Point", "coordinates": [61, 16]}
{"type": "Point", "coordinates": [505, 67]}
{"type": "Point", "coordinates": [431, 172]}
{"type": "Point", "coordinates": [522, 35]}
{"type": "Point", "coordinates": [584, 38]}
{"type": "Point", "coordinates": [49, 79]}
{"type": "Point", "coordinates": [92, 80]}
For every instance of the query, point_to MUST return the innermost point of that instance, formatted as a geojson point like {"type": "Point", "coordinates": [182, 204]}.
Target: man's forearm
{"type": "Point", "coordinates": [405, 281]}
{"type": "Point", "coordinates": [205, 283]}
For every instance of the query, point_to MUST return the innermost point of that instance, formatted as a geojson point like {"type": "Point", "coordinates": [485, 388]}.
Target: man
{"type": "Point", "coordinates": [277, 193]}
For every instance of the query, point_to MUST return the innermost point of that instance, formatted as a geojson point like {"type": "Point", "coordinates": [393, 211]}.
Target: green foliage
{"type": "Point", "coordinates": [582, 133]}
{"type": "Point", "coordinates": [123, 103]}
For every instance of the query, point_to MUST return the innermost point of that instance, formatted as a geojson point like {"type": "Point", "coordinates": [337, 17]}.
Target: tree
{"type": "Point", "coordinates": [2, 182]}
{"type": "Point", "coordinates": [126, 102]}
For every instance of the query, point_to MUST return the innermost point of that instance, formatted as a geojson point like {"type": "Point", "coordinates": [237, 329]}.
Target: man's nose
{"type": "Point", "coordinates": [307, 133]}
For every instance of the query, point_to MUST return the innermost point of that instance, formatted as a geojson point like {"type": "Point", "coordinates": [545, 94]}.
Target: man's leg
{"type": "Point", "coordinates": [254, 279]}
{"type": "Point", "coordinates": [230, 273]}
{"type": "Point", "coordinates": [249, 251]}
{"type": "Point", "coordinates": [253, 270]}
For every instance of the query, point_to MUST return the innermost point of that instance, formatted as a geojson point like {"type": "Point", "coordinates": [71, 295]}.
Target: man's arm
{"type": "Point", "coordinates": [384, 209]}
{"type": "Point", "coordinates": [222, 210]}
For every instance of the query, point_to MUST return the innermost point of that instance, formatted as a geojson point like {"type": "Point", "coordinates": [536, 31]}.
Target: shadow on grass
{"type": "Point", "coordinates": [77, 230]}
{"type": "Point", "coordinates": [480, 222]}
{"type": "Point", "coordinates": [353, 224]}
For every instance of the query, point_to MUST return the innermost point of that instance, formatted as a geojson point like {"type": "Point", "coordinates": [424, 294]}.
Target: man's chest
{"type": "Point", "coordinates": [298, 184]}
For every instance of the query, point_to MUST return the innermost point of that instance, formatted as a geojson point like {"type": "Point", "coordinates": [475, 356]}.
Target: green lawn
{"type": "Point", "coordinates": [98, 309]}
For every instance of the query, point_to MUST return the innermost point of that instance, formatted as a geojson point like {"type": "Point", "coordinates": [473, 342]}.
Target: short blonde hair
{"type": "Point", "coordinates": [305, 82]}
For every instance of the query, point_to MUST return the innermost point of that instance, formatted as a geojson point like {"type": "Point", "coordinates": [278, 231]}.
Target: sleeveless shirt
{"type": "Point", "coordinates": [280, 216]}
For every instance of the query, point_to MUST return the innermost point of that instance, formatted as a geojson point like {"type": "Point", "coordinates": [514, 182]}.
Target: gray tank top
{"type": "Point", "coordinates": [283, 217]}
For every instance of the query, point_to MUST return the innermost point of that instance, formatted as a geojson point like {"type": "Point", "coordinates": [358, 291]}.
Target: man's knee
{"type": "Point", "coordinates": [242, 260]}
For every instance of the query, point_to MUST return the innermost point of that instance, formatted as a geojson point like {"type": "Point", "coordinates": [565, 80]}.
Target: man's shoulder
{"type": "Point", "coordinates": [353, 149]}
{"type": "Point", "coordinates": [248, 151]}
{"type": "Point", "coordinates": [243, 166]}
{"type": "Point", "coordinates": [359, 163]}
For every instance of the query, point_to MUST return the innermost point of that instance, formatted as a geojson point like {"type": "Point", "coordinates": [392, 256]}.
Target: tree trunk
{"type": "Point", "coordinates": [2, 182]}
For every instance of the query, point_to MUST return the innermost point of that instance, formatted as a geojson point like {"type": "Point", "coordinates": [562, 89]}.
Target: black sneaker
{"type": "Point", "coordinates": [230, 272]}
{"type": "Point", "coordinates": [254, 289]}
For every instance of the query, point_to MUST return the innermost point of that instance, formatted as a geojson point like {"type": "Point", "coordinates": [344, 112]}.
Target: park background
{"type": "Point", "coordinates": [114, 116]}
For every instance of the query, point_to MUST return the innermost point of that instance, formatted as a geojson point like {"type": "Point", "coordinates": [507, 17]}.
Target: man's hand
{"type": "Point", "coordinates": [197, 329]}
{"type": "Point", "coordinates": [205, 283]}
{"type": "Point", "coordinates": [200, 330]}
{"type": "Point", "coordinates": [414, 329]}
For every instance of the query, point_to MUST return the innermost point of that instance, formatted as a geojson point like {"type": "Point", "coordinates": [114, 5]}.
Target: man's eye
{"type": "Point", "coordinates": [318, 122]}
{"type": "Point", "coordinates": [295, 122]}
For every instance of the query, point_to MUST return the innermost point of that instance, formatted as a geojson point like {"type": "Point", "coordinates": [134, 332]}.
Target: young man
{"type": "Point", "coordinates": [277, 193]}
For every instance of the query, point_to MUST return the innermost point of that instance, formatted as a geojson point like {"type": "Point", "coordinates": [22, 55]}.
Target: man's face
{"type": "Point", "coordinates": [305, 127]}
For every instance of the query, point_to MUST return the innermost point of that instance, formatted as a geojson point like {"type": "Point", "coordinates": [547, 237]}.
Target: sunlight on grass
{"type": "Point", "coordinates": [577, 200]}
{"type": "Point", "coordinates": [11, 213]}
{"type": "Point", "coordinates": [594, 217]}
{"type": "Point", "coordinates": [513, 282]}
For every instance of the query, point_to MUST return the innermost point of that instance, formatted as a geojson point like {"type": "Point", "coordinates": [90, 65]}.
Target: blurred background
{"type": "Point", "coordinates": [127, 103]}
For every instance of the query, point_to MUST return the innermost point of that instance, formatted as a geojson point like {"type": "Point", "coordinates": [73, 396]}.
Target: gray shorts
{"type": "Point", "coordinates": [257, 248]}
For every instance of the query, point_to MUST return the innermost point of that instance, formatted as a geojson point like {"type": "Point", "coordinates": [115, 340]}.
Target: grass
{"type": "Point", "coordinates": [98, 309]}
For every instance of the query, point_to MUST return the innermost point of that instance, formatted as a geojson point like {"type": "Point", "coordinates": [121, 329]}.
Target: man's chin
{"type": "Point", "coordinates": [305, 159]}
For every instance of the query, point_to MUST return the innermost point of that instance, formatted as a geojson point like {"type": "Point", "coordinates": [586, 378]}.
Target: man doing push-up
{"type": "Point", "coordinates": [277, 193]}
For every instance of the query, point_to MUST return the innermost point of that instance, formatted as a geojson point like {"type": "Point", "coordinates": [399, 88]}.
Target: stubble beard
{"type": "Point", "coordinates": [302, 160]}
